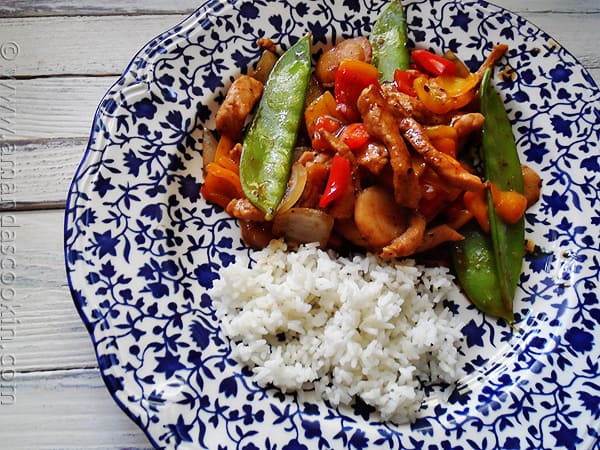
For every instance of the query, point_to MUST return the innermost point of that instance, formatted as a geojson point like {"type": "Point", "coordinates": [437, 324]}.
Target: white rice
{"type": "Point", "coordinates": [346, 327]}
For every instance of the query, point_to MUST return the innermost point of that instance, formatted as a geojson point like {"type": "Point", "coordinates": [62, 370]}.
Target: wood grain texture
{"type": "Point", "coordinates": [80, 45]}
{"type": "Point", "coordinates": [67, 409]}
{"type": "Point", "coordinates": [20, 8]}
{"type": "Point", "coordinates": [61, 107]}
{"type": "Point", "coordinates": [46, 332]}
{"type": "Point", "coordinates": [44, 169]}
{"type": "Point", "coordinates": [38, 250]}
{"type": "Point", "coordinates": [105, 45]}
{"type": "Point", "coordinates": [49, 334]}
{"type": "Point", "coordinates": [550, 6]}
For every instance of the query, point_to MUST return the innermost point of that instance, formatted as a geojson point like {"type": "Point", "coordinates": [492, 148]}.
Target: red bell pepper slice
{"type": "Point", "coordinates": [403, 80]}
{"type": "Point", "coordinates": [433, 64]}
{"type": "Point", "coordinates": [324, 123]}
{"type": "Point", "coordinates": [354, 135]}
{"type": "Point", "coordinates": [351, 78]}
{"type": "Point", "coordinates": [337, 182]}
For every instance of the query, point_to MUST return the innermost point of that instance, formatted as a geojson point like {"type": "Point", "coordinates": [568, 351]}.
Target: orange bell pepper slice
{"type": "Point", "coordinates": [438, 100]}
{"type": "Point", "coordinates": [445, 145]}
{"type": "Point", "coordinates": [476, 203]}
{"type": "Point", "coordinates": [440, 131]}
{"type": "Point", "coordinates": [509, 205]}
{"type": "Point", "coordinates": [444, 138]}
{"type": "Point", "coordinates": [324, 105]}
{"type": "Point", "coordinates": [455, 85]}
{"type": "Point", "coordinates": [224, 157]}
{"type": "Point", "coordinates": [221, 185]}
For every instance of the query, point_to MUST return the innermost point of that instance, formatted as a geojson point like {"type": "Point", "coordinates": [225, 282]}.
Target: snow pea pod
{"type": "Point", "coordinates": [269, 142]}
{"type": "Point", "coordinates": [502, 168]}
{"type": "Point", "coordinates": [488, 266]}
{"type": "Point", "coordinates": [388, 40]}
{"type": "Point", "coordinates": [475, 266]}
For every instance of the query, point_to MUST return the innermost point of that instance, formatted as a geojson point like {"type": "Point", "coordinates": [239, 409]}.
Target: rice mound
{"type": "Point", "coordinates": [346, 327]}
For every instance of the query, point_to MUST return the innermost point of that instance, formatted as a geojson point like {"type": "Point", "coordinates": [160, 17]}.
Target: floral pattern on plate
{"type": "Point", "coordinates": [142, 247]}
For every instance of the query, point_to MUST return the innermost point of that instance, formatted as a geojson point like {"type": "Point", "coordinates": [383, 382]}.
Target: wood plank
{"type": "Point", "coordinates": [39, 250]}
{"type": "Point", "coordinates": [45, 331]}
{"type": "Point", "coordinates": [67, 410]}
{"type": "Point", "coordinates": [49, 334]}
{"type": "Point", "coordinates": [16, 8]}
{"type": "Point", "coordinates": [60, 107]}
{"type": "Point", "coordinates": [43, 171]}
{"type": "Point", "coordinates": [96, 45]}
{"type": "Point", "coordinates": [550, 6]}
{"type": "Point", "coordinates": [90, 45]}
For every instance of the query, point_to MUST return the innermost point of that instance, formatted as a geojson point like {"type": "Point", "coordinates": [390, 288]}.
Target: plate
{"type": "Point", "coordinates": [142, 248]}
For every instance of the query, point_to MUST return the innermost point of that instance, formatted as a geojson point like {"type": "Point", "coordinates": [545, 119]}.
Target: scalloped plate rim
{"type": "Point", "coordinates": [192, 18]}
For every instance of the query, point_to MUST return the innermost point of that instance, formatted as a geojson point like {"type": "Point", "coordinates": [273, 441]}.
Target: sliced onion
{"type": "Point", "coordinates": [209, 148]}
{"type": "Point", "coordinates": [264, 66]}
{"type": "Point", "coordinates": [303, 225]}
{"type": "Point", "coordinates": [294, 189]}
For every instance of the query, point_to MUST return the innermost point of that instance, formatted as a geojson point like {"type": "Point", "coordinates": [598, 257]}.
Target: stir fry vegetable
{"type": "Point", "coordinates": [376, 139]}
{"type": "Point", "coordinates": [389, 41]}
{"type": "Point", "coordinates": [503, 171]}
{"type": "Point", "coordinates": [433, 64]}
{"type": "Point", "coordinates": [475, 265]}
{"type": "Point", "coordinates": [269, 143]}
{"type": "Point", "coordinates": [338, 181]}
{"type": "Point", "coordinates": [489, 266]}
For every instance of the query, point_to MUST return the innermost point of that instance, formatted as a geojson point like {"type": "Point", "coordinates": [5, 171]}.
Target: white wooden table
{"type": "Point", "coordinates": [57, 59]}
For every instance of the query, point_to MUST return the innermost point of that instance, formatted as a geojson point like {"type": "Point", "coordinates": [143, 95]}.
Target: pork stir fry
{"type": "Point", "coordinates": [377, 164]}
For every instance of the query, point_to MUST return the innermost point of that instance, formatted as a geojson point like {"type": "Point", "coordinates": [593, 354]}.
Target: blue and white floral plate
{"type": "Point", "coordinates": [142, 247]}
